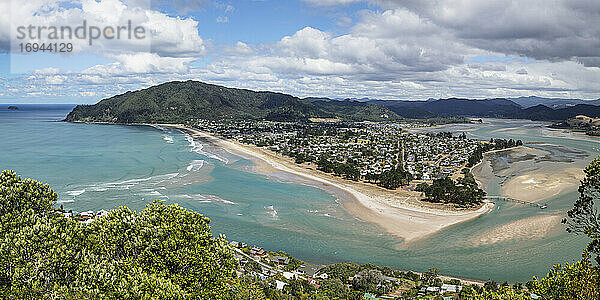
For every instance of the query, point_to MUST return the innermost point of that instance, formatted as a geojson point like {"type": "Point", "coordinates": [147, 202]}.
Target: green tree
{"type": "Point", "coordinates": [503, 293]}
{"type": "Point", "coordinates": [324, 164]}
{"type": "Point", "coordinates": [583, 218]}
{"type": "Point", "coordinates": [334, 288]}
{"type": "Point", "coordinates": [367, 280]}
{"type": "Point", "coordinates": [21, 195]}
{"type": "Point", "coordinates": [465, 192]}
{"type": "Point", "coordinates": [341, 271]}
{"type": "Point", "coordinates": [162, 252]}
{"type": "Point", "coordinates": [580, 280]}
{"type": "Point", "coordinates": [394, 178]}
{"type": "Point", "coordinates": [253, 266]}
{"type": "Point", "coordinates": [249, 288]}
{"type": "Point", "coordinates": [431, 276]}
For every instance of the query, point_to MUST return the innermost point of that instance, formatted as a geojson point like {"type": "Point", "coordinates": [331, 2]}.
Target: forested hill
{"type": "Point", "coordinates": [176, 102]}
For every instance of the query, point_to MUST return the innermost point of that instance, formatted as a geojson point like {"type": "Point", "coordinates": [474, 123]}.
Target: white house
{"type": "Point", "coordinates": [280, 284]}
{"type": "Point", "coordinates": [101, 213]}
{"type": "Point", "coordinates": [289, 275]}
{"type": "Point", "coordinates": [87, 214]}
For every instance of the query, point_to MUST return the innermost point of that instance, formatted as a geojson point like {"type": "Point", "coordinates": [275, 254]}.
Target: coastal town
{"type": "Point", "coordinates": [390, 155]}
{"type": "Point", "coordinates": [372, 148]}
{"type": "Point", "coordinates": [279, 275]}
{"type": "Point", "coordinates": [363, 152]}
{"type": "Point", "coordinates": [360, 152]}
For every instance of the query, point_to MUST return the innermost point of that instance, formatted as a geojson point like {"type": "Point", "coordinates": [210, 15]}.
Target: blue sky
{"type": "Point", "coordinates": [267, 21]}
{"type": "Point", "coordinates": [383, 49]}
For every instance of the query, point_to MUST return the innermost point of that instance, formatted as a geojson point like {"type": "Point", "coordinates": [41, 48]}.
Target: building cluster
{"type": "Point", "coordinates": [441, 290]}
{"type": "Point", "coordinates": [432, 156]}
{"type": "Point", "coordinates": [275, 265]}
{"type": "Point", "coordinates": [86, 217]}
{"type": "Point", "coordinates": [373, 148]}
{"type": "Point", "coordinates": [281, 271]}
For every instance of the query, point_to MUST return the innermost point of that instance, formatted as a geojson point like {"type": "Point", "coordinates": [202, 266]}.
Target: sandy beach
{"type": "Point", "coordinates": [529, 228]}
{"type": "Point", "coordinates": [530, 175]}
{"type": "Point", "coordinates": [397, 212]}
{"type": "Point", "coordinates": [537, 186]}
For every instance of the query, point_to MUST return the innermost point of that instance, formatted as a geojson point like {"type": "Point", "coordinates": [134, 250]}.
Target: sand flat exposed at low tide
{"type": "Point", "coordinates": [529, 228]}
{"type": "Point", "coordinates": [537, 186]}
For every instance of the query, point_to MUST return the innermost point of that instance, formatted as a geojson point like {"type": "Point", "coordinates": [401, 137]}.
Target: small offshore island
{"type": "Point", "coordinates": [12, 107]}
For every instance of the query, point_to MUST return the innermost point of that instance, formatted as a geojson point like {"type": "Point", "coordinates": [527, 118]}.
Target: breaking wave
{"type": "Point", "coordinates": [76, 192]}
{"type": "Point", "coordinates": [168, 139]}
{"type": "Point", "coordinates": [195, 165]}
{"type": "Point", "coordinates": [198, 148]}
{"type": "Point", "coordinates": [206, 198]}
{"type": "Point", "coordinates": [127, 184]}
{"type": "Point", "coordinates": [271, 211]}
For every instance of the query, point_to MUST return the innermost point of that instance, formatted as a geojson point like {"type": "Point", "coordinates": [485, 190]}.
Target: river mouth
{"type": "Point", "coordinates": [546, 172]}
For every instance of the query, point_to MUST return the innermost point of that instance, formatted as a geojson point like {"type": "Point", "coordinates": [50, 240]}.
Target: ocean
{"type": "Point", "coordinates": [93, 167]}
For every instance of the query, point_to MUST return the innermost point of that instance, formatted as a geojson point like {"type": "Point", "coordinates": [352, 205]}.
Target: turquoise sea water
{"type": "Point", "coordinates": [105, 166]}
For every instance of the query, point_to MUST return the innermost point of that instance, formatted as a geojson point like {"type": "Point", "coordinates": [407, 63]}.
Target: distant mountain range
{"type": "Point", "coordinates": [453, 107]}
{"type": "Point", "coordinates": [524, 102]}
{"type": "Point", "coordinates": [555, 103]}
{"type": "Point", "coordinates": [494, 108]}
{"type": "Point", "coordinates": [176, 102]}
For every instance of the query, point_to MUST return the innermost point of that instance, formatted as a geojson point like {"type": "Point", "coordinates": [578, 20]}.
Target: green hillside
{"type": "Point", "coordinates": [177, 102]}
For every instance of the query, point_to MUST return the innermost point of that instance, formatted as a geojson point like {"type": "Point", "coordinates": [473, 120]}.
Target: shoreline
{"type": "Point", "coordinates": [539, 182]}
{"type": "Point", "coordinates": [395, 212]}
